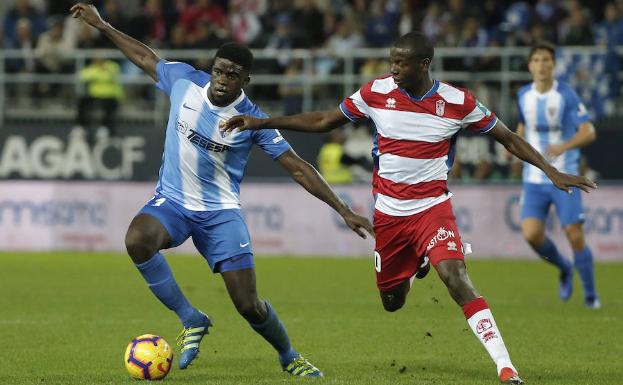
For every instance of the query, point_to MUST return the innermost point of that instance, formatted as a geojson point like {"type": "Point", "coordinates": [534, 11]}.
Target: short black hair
{"type": "Point", "coordinates": [237, 53]}
{"type": "Point", "coordinates": [544, 45]}
{"type": "Point", "coordinates": [418, 43]}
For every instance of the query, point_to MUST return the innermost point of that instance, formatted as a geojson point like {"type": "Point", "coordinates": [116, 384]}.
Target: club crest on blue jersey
{"type": "Point", "coordinates": [181, 125]}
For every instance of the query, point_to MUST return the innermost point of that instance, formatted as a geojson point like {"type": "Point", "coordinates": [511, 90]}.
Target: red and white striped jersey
{"type": "Point", "coordinates": [414, 140]}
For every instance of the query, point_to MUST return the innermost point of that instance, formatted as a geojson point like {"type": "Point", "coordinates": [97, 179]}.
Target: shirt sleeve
{"type": "Point", "coordinates": [169, 72]}
{"type": "Point", "coordinates": [354, 108]}
{"type": "Point", "coordinates": [520, 116]}
{"type": "Point", "coordinates": [271, 141]}
{"type": "Point", "coordinates": [478, 118]}
{"type": "Point", "coordinates": [576, 110]}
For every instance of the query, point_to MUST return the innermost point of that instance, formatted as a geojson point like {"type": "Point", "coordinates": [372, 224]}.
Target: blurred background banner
{"type": "Point", "coordinates": [282, 218]}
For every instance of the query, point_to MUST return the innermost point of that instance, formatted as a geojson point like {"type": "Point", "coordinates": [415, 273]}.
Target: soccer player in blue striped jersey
{"type": "Point", "coordinates": [198, 192]}
{"type": "Point", "coordinates": [555, 122]}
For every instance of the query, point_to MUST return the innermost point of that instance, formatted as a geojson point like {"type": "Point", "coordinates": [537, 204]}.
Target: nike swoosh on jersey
{"type": "Point", "coordinates": [189, 107]}
{"type": "Point", "coordinates": [244, 244]}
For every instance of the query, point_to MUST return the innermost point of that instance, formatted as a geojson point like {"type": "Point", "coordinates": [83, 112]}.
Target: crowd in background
{"type": "Point", "coordinates": [45, 26]}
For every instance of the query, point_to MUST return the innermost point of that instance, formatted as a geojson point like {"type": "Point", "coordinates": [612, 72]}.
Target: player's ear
{"type": "Point", "coordinates": [246, 81]}
{"type": "Point", "coordinates": [425, 63]}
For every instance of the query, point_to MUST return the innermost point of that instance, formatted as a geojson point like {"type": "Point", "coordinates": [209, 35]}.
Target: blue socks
{"type": "Point", "coordinates": [159, 277]}
{"type": "Point", "coordinates": [584, 266]}
{"type": "Point", "coordinates": [275, 333]}
{"type": "Point", "coordinates": [548, 252]}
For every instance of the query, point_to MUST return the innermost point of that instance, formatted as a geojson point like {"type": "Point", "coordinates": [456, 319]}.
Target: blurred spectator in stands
{"type": "Point", "coordinates": [244, 22]}
{"type": "Point", "coordinates": [309, 21]}
{"type": "Point", "coordinates": [54, 49]}
{"type": "Point", "coordinates": [549, 13]}
{"type": "Point", "coordinates": [330, 157]}
{"type": "Point", "coordinates": [24, 42]}
{"type": "Point", "coordinates": [152, 24]}
{"type": "Point", "coordinates": [177, 39]}
{"type": "Point", "coordinates": [382, 24]}
{"type": "Point", "coordinates": [408, 18]}
{"type": "Point", "coordinates": [112, 12]}
{"type": "Point", "coordinates": [344, 40]}
{"type": "Point", "coordinates": [432, 24]}
{"type": "Point", "coordinates": [473, 158]}
{"type": "Point", "coordinates": [283, 38]}
{"type": "Point", "coordinates": [104, 91]}
{"type": "Point", "coordinates": [270, 18]}
{"type": "Point", "coordinates": [23, 9]}
{"type": "Point", "coordinates": [291, 91]}
{"type": "Point", "coordinates": [54, 56]}
{"type": "Point", "coordinates": [473, 36]}
{"type": "Point", "coordinates": [203, 12]}
{"type": "Point", "coordinates": [610, 30]}
{"type": "Point", "coordinates": [206, 36]}
{"type": "Point", "coordinates": [374, 67]}
{"type": "Point", "coordinates": [610, 34]}
{"type": "Point", "coordinates": [577, 28]}
{"type": "Point", "coordinates": [455, 14]}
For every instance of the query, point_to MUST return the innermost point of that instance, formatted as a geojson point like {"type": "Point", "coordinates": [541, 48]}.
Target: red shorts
{"type": "Point", "coordinates": [402, 243]}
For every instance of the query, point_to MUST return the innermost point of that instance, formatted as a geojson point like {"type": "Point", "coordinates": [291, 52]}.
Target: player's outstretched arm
{"type": "Point", "coordinates": [523, 150]}
{"type": "Point", "coordinates": [307, 176]}
{"type": "Point", "coordinates": [137, 52]}
{"type": "Point", "coordinates": [321, 121]}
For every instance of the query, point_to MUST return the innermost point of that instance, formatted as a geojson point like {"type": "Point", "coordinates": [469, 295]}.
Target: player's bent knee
{"type": "Point", "coordinates": [575, 235]}
{"type": "Point", "coordinates": [139, 246]}
{"type": "Point", "coordinates": [392, 302]}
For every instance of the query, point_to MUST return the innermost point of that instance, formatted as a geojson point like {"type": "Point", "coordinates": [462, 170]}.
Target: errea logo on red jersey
{"type": "Point", "coordinates": [390, 103]}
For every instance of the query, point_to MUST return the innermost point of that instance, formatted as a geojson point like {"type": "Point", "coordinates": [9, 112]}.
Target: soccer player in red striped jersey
{"type": "Point", "coordinates": [416, 120]}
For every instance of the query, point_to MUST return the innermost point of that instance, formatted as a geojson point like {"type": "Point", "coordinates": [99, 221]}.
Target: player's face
{"type": "Point", "coordinates": [228, 79]}
{"type": "Point", "coordinates": [542, 65]}
{"type": "Point", "coordinates": [407, 69]}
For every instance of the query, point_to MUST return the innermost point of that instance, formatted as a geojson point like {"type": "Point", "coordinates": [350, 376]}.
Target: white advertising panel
{"type": "Point", "coordinates": [282, 218]}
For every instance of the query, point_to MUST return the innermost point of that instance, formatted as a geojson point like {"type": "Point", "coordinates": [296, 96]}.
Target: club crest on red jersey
{"type": "Point", "coordinates": [440, 107]}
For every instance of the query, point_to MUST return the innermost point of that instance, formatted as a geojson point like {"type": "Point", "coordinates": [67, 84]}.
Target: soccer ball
{"type": "Point", "coordinates": [148, 357]}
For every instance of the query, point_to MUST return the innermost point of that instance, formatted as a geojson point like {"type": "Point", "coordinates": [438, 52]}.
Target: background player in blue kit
{"type": "Point", "coordinates": [556, 123]}
{"type": "Point", "coordinates": [199, 186]}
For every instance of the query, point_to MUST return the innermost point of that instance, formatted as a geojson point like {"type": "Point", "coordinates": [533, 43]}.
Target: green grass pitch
{"type": "Point", "coordinates": [66, 318]}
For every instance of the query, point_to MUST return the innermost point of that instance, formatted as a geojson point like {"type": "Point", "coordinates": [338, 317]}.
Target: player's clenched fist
{"type": "Point", "coordinates": [87, 13]}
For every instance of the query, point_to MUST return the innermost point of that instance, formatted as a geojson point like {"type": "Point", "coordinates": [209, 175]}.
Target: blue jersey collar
{"type": "Point", "coordinates": [428, 94]}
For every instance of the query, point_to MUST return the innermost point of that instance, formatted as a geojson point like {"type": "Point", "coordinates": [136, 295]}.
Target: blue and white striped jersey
{"type": "Point", "coordinates": [551, 118]}
{"type": "Point", "coordinates": [201, 169]}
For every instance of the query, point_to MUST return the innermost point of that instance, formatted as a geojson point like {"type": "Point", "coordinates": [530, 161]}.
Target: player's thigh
{"type": "Point", "coordinates": [223, 235]}
{"type": "Point", "coordinates": [395, 256]}
{"type": "Point", "coordinates": [535, 201]}
{"type": "Point", "coordinates": [438, 235]}
{"type": "Point", "coordinates": [569, 207]}
{"type": "Point", "coordinates": [162, 220]}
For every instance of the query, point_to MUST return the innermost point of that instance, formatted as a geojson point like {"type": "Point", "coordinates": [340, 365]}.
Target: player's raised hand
{"type": "Point", "coordinates": [566, 181]}
{"type": "Point", "coordinates": [240, 122]}
{"type": "Point", "coordinates": [356, 223]}
{"type": "Point", "coordinates": [87, 13]}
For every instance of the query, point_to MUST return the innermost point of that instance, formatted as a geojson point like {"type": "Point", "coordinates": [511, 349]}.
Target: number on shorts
{"type": "Point", "coordinates": [377, 262]}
